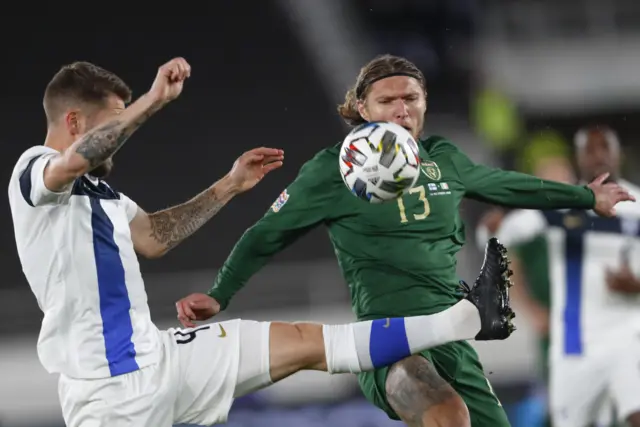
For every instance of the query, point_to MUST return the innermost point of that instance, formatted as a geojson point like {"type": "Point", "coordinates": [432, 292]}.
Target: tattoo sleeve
{"type": "Point", "coordinates": [102, 142]}
{"type": "Point", "coordinates": [171, 226]}
{"type": "Point", "coordinates": [413, 387]}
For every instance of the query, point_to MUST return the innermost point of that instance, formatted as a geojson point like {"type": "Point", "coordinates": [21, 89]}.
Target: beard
{"type": "Point", "coordinates": [103, 170]}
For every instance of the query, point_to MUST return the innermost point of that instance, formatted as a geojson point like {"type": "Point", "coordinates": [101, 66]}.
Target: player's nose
{"type": "Point", "coordinates": [401, 111]}
{"type": "Point", "coordinates": [401, 117]}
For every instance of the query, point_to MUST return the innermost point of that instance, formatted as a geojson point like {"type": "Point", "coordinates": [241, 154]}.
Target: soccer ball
{"type": "Point", "coordinates": [379, 161]}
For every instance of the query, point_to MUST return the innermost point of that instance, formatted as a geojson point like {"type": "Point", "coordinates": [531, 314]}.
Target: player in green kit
{"type": "Point", "coordinates": [399, 258]}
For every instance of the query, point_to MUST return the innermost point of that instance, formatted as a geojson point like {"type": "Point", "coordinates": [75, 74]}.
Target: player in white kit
{"type": "Point", "coordinates": [78, 241]}
{"type": "Point", "coordinates": [594, 265]}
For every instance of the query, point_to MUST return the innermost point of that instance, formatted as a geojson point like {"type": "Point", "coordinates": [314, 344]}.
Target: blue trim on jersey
{"type": "Point", "coordinates": [589, 223]}
{"type": "Point", "coordinates": [84, 187]}
{"type": "Point", "coordinates": [574, 256]}
{"type": "Point", "coordinates": [388, 342]}
{"type": "Point", "coordinates": [576, 224]}
{"type": "Point", "coordinates": [25, 181]}
{"type": "Point", "coordinates": [114, 297]}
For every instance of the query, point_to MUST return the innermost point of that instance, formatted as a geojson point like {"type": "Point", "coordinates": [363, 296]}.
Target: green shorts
{"type": "Point", "coordinates": [458, 364]}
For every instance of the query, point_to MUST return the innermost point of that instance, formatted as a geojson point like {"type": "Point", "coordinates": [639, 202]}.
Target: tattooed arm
{"type": "Point", "coordinates": [157, 233]}
{"type": "Point", "coordinates": [98, 145]}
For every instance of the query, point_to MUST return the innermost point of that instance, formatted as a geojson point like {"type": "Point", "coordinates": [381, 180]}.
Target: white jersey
{"type": "Point", "coordinates": [585, 314]}
{"type": "Point", "coordinates": [77, 255]}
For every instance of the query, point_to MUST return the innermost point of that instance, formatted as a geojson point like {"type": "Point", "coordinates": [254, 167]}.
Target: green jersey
{"type": "Point", "coordinates": [398, 258]}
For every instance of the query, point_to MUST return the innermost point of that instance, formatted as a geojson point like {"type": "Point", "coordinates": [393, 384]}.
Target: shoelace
{"type": "Point", "coordinates": [463, 288]}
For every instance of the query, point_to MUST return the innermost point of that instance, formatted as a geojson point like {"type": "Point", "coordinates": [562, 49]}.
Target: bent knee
{"type": "Point", "coordinates": [296, 346]}
{"type": "Point", "coordinates": [310, 346]}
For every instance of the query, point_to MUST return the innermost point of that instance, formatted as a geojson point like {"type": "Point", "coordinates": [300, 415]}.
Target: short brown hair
{"type": "Point", "coordinates": [384, 65]}
{"type": "Point", "coordinates": [81, 83]}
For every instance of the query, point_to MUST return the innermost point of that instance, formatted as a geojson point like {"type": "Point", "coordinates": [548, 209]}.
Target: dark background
{"type": "Point", "coordinates": [252, 85]}
{"type": "Point", "coordinates": [257, 82]}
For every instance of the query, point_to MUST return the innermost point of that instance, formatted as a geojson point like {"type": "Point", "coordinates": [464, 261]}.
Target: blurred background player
{"type": "Point", "coordinates": [547, 157]}
{"type": "Point", "coordinates": [78, 241]}
{"type": "Point", "coordinates": [595, 315]}
{"type": "Point", "coordinates": [400, 258]}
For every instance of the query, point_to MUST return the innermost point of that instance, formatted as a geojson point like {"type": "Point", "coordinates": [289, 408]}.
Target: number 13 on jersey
{"type": "Point", "coordinates": [422, 196]}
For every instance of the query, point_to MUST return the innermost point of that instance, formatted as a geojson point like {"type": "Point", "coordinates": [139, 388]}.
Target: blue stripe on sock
{"type": "Point", "coordinates": [388, 342]}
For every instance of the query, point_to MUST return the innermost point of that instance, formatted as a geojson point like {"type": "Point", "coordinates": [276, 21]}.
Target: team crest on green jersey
{"type": "Point", "coordinates": [431, 170]}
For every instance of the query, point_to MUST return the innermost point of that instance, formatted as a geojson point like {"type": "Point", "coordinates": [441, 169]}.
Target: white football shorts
{"type": "Point", "coordinates": [586, 390]}
{"type": "Point", "coordinates": [199, 373]}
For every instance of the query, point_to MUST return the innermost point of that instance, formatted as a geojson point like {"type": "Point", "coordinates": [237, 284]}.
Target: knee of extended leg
{"type": "Point", "coordinates": [310, 346]}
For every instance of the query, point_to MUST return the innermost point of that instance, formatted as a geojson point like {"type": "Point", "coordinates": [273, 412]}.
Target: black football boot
{"type": "Point", "coordinates": [490, 294]}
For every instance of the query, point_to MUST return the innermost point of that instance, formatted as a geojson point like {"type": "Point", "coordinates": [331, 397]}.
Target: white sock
{"type": "Point", "coordinates": [368, 345]}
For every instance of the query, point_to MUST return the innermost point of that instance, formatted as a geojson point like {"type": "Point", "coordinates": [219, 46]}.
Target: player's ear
{"type": "Point", "coordinates": [362, 110]}
{"type": "Point", "coordinates": [73, 122]}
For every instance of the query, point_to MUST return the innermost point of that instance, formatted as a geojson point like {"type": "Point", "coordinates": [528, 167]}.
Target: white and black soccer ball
{"type": "Point", "coordinates": [379, 161]}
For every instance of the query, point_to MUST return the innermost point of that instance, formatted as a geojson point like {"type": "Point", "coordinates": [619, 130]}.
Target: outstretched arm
{"type": "Point", "coordinates": [97, 145]}
{"type": "Point", "coordinates": [157, 233]}
{"type": "Point", "coordinates": [518, 190]}
{"type": "Point", "coordinates": [102, 142]}
{"type": "Point", "coordinates": [307, 202]}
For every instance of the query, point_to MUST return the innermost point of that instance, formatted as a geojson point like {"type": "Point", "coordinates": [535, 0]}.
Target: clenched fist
{"type": "Point", "coordinates": [170, 80]}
